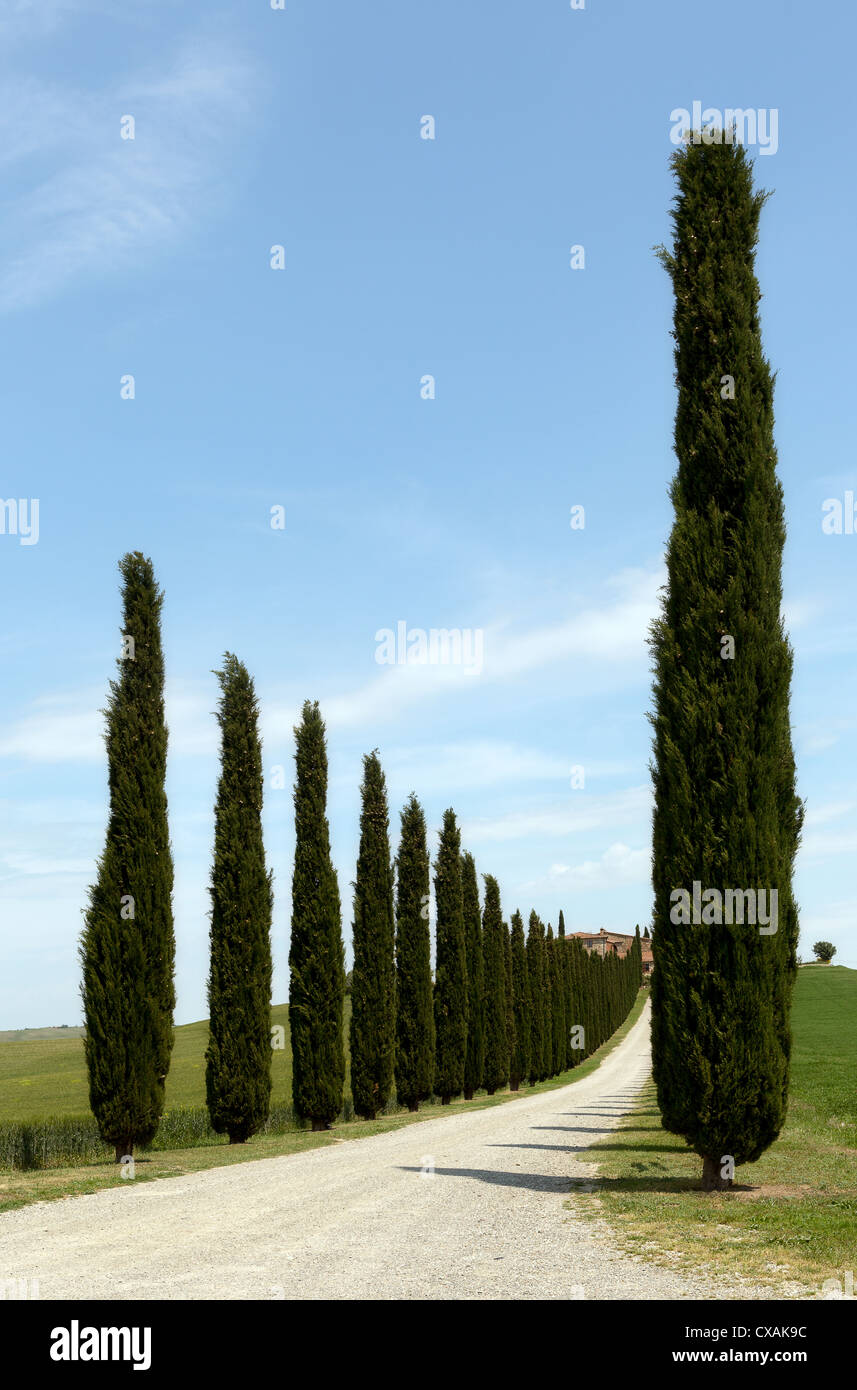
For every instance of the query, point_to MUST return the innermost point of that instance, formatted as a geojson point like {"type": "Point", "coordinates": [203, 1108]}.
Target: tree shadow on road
{"type": "Point", "coordinates": [582, 1129]}
{"type": "Point", "coordinates": [551, 1148]}
{"type": "Point", "coordinates": [609, 1114]}
{"type": "Point", "coordinates": [534, 1182]}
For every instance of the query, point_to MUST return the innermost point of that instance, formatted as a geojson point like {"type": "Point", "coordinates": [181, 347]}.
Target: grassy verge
{"type": "Point", "coordinates": [792, 1219]}
{"type": "Point", "coordinates": [89, 1175]}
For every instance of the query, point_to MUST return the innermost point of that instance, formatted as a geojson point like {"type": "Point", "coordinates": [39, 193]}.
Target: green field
{"type": "Point", "coordinates": [41, 1077]}
{"type": "Point", "coordinates": [792, 1215]}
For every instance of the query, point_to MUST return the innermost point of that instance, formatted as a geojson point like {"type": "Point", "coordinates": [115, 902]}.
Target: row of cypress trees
{"type": "Point", "coordinates": [726, 814]}
{"type": "Point", "coordinates": [500, 1009]}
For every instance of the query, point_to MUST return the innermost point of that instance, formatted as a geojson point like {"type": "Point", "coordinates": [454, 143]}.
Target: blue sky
{"type": "Point", "coordinates": [300, 388]}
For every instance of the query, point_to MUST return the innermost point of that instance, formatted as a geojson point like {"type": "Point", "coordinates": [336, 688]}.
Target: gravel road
{"type": "Point", "coordinates": [470, 1206]}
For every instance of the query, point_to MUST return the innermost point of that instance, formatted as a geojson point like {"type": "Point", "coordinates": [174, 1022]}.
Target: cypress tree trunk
{"type": "Point", "coordinates": [496, 1012]}
{"type": "Point", "coordinates": [316, 956]}
{"type": "Point", "coordinates": [450, 990]}
{"type": "Point", "coordinates": [474, 1063]}
{"type": "Point", "coordinates": [127, 947]}
{"type": "Point", "coordinates": [373, 996]}
{"type": "Point", "coordinates": [238, 1056]}
{"type": "Point", "coordinates": [415, 1040]}
{"type": "Point", "coordinates": [726, 813]}
{"type": "Point", "coordinates": [519, 1064]}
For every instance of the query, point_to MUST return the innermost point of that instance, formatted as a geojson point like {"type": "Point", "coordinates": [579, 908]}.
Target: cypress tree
{"type": "Point", "coordinates": [726, 814]}
{"type": "Point", "coordinates": [547, 987]}
{"type": "Point", "coordinates": [474, 1063]}
{"type": "Point", "coordinates": [496, 1070]}
{"type": "Point", "coordinates": [557, 948]}
{"type": "Point", "coordinates": [538, 1002]}
{"type": "Point", "coordinates": [519, 1062]}
{"type": "Point", "coordinates": [450, 989]}
{"type": "Point", "coordinates": [415, 1041]}
{"type": "Point", "coordinates": [238, 1056]}
{"type": "Point", "coordinates": [637, 978]}
{"type": "Point", "coordinates": [316, 955]}
{"type": "Point", "coordinates": [564, 951]}
{"type": "Point", "coordinates": [511, 1027]}
{"type": "Point", "coordinates": [577, 1012]}
{"type": "Point", "coordinates": [589, 989]}
{"type": "Point", "coordinates": [127, 947]}
{"type": "Point", "coordinates": [373, 985]}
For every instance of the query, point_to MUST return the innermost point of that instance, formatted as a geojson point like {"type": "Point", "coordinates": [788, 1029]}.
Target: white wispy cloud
{"type": "Point", "coordinates": [578, 813]}
{"type": "Point", "coordinates": [618, 863]}
{"type": "Point", "coordinates": [80, 200]}
{"type": "Point", "coordinates": [602, 639]}
{"type": "Point", "coordinates": [69, 726]}
{"type": "Point", "coordinates": [481, 763]}
{"type": "Point", "coordinates": [35, 19]}
{"type": "Point", "coordinates": [605, 641]}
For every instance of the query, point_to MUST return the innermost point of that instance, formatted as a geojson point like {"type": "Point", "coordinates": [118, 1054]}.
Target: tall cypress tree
{"type": "Point", "coordinates": [496, 1071]}
{"type": "Point", "coordinates": [547, 986]}
{"type": "Point", "coordinates": [726, 813]}
{"type": "Point", "coordinates": [474, 1064]}
{"type": "Point", "coordinates": [577, 1010]}
{"type": "Point", "coordinates": [316, 955]}
{"type": "Point", "coordinates": [415, 1041]}
{"type": "Point", "coordinates": [238, 1056]}
{"type": "Point", "coordinates": [127, 947]}
{"type": "Point", "coordinates": [536, 978]}
{"type": "Point", "coordinates": [373, 987]}
{"type": "Point", "coordinates": [519, 1062]}
{"type": "Point", "coordinates": [571, 1056]}
{"type": "Point", "coordinates": [508, 976]}
{"type": "Point", "coordinates": [559, 1008]}
{"type": "Point", "coordinates": [450, 989]}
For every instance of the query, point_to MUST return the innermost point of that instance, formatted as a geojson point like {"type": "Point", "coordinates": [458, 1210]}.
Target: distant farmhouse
{"type": "Point", "coordinates": [606, 943]}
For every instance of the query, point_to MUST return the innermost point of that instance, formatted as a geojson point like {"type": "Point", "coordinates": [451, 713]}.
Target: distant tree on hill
{"type": "Point", "coordinates": [824, 951]}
